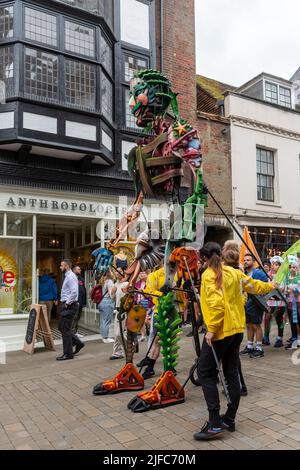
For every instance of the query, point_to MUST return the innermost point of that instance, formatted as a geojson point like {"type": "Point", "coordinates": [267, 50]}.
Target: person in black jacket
{"type": "Point", "coordinates": [81, 297]}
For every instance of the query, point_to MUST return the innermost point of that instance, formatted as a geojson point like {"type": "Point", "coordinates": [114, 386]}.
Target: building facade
{"type": "Point", "coordinates": [65, 132]}
{"type": "Point", "coordinates": [265, 160]}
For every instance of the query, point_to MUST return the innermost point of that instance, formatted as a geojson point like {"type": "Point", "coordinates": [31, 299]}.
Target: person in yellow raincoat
{"type": "Point", "coordinates": [155, 282]}
{"type": "Point", "coordinates": [222, 305]}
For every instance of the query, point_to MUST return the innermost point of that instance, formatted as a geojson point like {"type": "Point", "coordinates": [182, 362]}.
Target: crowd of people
{"type": "Point", "coordinates": [232, 299]}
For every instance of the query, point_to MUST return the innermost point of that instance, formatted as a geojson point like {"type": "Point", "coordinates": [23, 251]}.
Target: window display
{"type": "Point", "coordinates": [15, 276]}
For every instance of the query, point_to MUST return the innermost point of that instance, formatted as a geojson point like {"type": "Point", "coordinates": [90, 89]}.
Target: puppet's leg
{"type": "Point", "coordinates": [167, 391]}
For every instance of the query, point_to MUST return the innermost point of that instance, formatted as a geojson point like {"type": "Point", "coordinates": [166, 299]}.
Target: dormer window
{"type": "Point", "coordinates": [277, 94]}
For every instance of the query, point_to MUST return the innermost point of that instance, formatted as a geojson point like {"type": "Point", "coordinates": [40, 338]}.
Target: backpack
{"type": "Point", "coordinates": [96, 294]}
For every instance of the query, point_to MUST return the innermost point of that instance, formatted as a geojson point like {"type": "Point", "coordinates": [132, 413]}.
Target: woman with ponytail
{"type": "Point", "coordinates": [222, 304]}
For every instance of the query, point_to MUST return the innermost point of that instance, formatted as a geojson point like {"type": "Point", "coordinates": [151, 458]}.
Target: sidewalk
{"type": "Point", "coordinates": [49, 405]}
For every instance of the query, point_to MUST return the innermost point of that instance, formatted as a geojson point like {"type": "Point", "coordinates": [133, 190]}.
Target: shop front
{"type": "Point", "coordinates": [37, 231]}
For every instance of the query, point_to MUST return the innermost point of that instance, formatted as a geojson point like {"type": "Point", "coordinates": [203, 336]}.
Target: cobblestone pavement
{"type": "Point", "coordinates": [49, 405]}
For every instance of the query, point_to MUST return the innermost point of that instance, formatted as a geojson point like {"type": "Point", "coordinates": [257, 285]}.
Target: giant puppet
{"type": "Point", "coordinates": [169, 149]}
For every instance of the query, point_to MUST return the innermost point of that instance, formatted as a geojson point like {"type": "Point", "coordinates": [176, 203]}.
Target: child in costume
{"type": "Point", "coordinates": [277, 309]}
{"type": "Point", "coordinates": [292, 291]}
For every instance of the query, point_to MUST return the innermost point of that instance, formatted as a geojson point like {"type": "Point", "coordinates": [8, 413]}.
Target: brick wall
{"type": "Point", "coordinates": [216, 161]}
{"type": "Point", "coordinates": [179, 52]}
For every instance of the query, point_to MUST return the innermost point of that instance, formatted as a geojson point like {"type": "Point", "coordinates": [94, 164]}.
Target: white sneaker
{"type": "Point", "coordinates": [108, 340]}
{"type": "Point", "coordinates": [142, 339]}
{"type": "Point", "coordinates": [79, 336]}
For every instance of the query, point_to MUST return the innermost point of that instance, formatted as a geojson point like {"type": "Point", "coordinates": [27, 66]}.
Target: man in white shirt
{"type": "Point", "coordinates": [69, 308]}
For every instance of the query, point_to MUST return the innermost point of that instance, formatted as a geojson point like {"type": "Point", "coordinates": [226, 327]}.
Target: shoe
{"type": "Point", "coordinates": [257, 353]}
{"type": "Point", "coordinates": [266, 341]}
{"type": "Point", "coordinates": [228, 424]}
{"type": "Point", "coordinates": [244, 392]}
{"type": "Point", "coordinates": [292, 345]}
{"type": "Point", "coordinates": [278, 343]}
{"type": "Point", "coordinates": [78, 348]}
{"type": "Point", "coordinates": [142, 339]}
{"type": "Point", "coordinates": [108, 340]}
{"type": "Point", "coordinates": [148, 374]}
{"type": "Point", "coordinates": [115, 358]}
{"type": "Point", "coordinates": [246, 351]}
{"type": "Point", "coordinates": [209, 432]}
{"type": "Point", "coordinates": [65, 357]}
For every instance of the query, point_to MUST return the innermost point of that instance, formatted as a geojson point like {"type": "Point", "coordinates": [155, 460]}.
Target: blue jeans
{"type": "Point", "coordinates": [106, 309]}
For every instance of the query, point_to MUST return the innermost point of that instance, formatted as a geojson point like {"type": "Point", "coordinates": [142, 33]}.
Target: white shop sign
{"type": "Point", "coordinates": [34, 204]}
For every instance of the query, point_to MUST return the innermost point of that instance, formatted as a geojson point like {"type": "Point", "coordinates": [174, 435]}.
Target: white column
{"type": "Point", "coordinates": [34, 247]}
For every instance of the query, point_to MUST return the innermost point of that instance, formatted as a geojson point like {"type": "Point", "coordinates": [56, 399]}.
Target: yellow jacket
{"type": "Point", "coordinates": [155, 282]}
{"type": "Point", "coordinates": [223, 309]}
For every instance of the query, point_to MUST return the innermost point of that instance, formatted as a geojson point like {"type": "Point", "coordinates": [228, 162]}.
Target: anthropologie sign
{"type": "Point", "coordinates": [34, 204]}
{"type": "Point", "coordinates": [56, 206]}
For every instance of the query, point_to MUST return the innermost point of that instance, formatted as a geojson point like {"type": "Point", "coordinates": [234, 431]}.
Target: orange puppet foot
{"type": "Point", "coordinates": [167, 391]}
{"type": "Point", "coordinates": [127, 380]}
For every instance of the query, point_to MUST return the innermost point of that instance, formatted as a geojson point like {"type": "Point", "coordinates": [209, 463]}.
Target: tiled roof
{"type": "Point", "coordinates": [210, 91]}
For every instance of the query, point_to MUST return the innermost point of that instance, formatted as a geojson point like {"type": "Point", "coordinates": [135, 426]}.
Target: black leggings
{"type": "Point", "coordinates": [227, 351]}
{"type": "Point", "coordinates": [294, 326]}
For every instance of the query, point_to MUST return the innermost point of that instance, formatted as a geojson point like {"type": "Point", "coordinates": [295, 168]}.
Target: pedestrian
{"type": "Point", "coordinates": [120, 290]}
{"type": "Point", "coordinates": [222, 305]}
{"type": "Point", "coordinates": [293, 293]}
{"type": "Point", "coordinates": [140, 299]}
{"type": "Point", "coordinates": [254, 313]}
{"type": "Point", "coordinates": [231, 257]}
{"type": "Point", "coordinates": [106, 307]}
{"type": "Point", "coordinates": [81, 297]}
{"type": "Point", "coordinates": [69, 307]}
{"type": "Point", "coordinates": [277, 309]}
{"type": "Point", "coordinates": [47, 292]}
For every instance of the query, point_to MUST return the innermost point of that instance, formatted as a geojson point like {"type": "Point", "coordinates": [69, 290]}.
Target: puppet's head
{"type": "Point", "coordinates": [151, 96]}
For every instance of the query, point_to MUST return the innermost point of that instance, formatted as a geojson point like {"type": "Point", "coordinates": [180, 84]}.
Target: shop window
{"type": "Point", "coordinates": [80, 84]}
{"type": "Point", "coordinates": [15, 276]}
{"type": "Point", "coordinates": [79, 39]}
{"type": "Point", "coordinates": [132, 65]}
{"type": "Point", "coordinates": [40, 26]}
{"type": "Point", "coordinates": [7, 69]}
{"type": "Point", "coordinates": [1, 224]}
{"type": "Point", "coordinates": [106, 98]}
{"type": "Point", "coordinates": [6, 22]}
{"type": "Point", "coordinates": [41, 74]}
{"type": "Point", "coordinates": [135, 20]}
{"type": "Point", "coordinates": [106, 55]}
{"type": "Point", "coordinates": [19, 225]}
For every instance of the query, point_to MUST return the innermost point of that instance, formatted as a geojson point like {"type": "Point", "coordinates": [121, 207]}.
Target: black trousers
{"type": "Point", "coordinates": [227, 351]}
{"type": "Point", "coordinates": [76, 320]}
{"type": "Point", "coordinates": [65, 327]}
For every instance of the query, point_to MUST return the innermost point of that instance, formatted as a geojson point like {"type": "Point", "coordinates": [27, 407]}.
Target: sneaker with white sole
{"type": "Point", "coordinates": [108, 340]}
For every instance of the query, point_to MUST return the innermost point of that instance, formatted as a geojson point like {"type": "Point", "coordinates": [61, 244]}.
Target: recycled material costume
{"type": "Point", "coordinates": [156, 165]}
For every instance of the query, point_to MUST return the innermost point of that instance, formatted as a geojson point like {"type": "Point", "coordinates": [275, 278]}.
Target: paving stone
{"type": "Point", "coordinates": [43, 406]}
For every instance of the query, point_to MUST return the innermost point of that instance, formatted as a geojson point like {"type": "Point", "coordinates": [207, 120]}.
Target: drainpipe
{"type": "Point", "coordinates": [161, 35]}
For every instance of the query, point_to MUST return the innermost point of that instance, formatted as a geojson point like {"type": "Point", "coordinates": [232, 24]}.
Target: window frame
{"type": "Point", "coordinates": [7, 40]}
{"type": "Point", "coordinates": [47, 12]}
{"type": "Point", "coordinates": [78, 54]}
{"type": "Point", "coordinates": [37, 97]}
{"type": "Point", "coordinates": [268, 176]}
{"type": "Point", "coordinates": [279, 87]}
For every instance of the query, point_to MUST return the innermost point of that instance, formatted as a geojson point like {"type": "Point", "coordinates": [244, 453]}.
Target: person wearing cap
{"type": "Point", "coordinates": [277, 309]}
